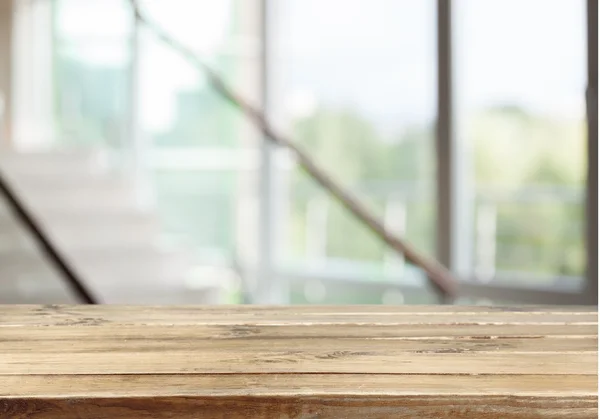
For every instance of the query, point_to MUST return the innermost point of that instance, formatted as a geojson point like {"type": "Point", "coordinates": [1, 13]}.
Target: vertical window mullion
{"type": "Point", "coordinates": [591, 289]}
{"type": "Point", "coordinates": [454, 189]}
{"type": "Point", "coordinates": [271, 288]}
{"type": "Point", "coordinates": [443, 134]}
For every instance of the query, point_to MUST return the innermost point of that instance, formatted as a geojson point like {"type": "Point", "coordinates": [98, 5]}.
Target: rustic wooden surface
{"type": "Point", "coordinates": [298, 362]}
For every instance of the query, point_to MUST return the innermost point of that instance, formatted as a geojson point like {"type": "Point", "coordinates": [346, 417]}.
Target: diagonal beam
{"type": "Point", "coordinates": [32, 225]}
{"type": "Point", "coordinates": [440, 278]}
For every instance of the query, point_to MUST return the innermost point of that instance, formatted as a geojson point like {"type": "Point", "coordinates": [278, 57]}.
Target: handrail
{"type": "Point", "coordinates": [54, 256]}
{"type": "Point", "coordinates": [442, 280]}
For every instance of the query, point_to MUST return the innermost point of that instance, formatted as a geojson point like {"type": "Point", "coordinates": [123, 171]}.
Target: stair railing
{"type": "Point", "coordinates": [439, 277]}
{"type": "Point", "coordinates": [53, 255]}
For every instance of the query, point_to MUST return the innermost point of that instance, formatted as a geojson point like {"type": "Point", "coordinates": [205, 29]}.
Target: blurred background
{"type": "Point", "coordinates": [461, 122]}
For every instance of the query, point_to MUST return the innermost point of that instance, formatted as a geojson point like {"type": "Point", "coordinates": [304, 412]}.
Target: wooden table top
{"type": "Point", "coordinates": [298, 362]}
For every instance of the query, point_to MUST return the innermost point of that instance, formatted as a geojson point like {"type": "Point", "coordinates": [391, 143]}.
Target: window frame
{"type": "Point", "coordinates": [453, 212]}
{"type": "Point", "coordinates": [272, 284]}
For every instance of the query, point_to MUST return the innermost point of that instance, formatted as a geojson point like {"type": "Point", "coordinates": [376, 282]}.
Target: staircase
{"type": "Point", "coordinates": [91, 215]}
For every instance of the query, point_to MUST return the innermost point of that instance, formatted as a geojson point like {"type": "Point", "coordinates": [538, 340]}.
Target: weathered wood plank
{"type": "Point", "coordinates": [298, 362]}
{"type": "Point", "coordinates": [291, 361]}
{"type": "Point", "coordinates": [339, 330]}
{"type": "Point", "coordinates": [142, 341]}
{"type": "Point", "coordinates": [20, 315]}
{"type": "Point", "coordinates": [308, 407]}
{"type": "Point", "coordinates": [273, 319]}
{"type": "Point", "coordinates": [258, 385]}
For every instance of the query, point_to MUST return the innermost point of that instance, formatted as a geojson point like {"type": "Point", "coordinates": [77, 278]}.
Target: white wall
{"type": "Point", "coordinates": [32, 74]}
{"type": "Point", "coordinates": [6, 13]}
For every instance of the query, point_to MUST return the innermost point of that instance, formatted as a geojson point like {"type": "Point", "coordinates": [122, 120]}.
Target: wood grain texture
{"type": "Point", "coordinates": [298, 362]}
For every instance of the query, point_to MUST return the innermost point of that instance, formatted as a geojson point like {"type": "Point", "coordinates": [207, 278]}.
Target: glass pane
{"type": "Point", "coordinates": [311, 290]}
{"type": "Point", "coordinates": [357, 91]}
{"type": "Point", "coordinates": [521, 83]}
{"type": "Point", "coordinates": [201, 149]}
{"type": "Point", "coordinates": [179, 108]}
{"type": "Point", "coordinates": [197, 206]}
{"type": "Point", "coordinates": [92, 54]}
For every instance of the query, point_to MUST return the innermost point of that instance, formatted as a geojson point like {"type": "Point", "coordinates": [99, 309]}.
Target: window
{"type": "Point", "coordinates": [521, 81]}
{"type": "Point", "coordinates": [359, 98]}
{"type": "Point", "coordinates": [179, 109]}
{"type": "Point", "coordinates": [200, 150]}
{"type": "Point", "coordinates": [358, 91]}
{"type": "Point", "coordinates": [91, 68]}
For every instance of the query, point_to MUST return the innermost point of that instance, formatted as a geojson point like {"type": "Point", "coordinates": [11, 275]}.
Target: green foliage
{"type": "Point", "coordinates": [197, 206]}
{"type": "Point", "coordinates": [511, 149]}
{"type": "Point", "coordinates": [346, 139]}
{"type": "Point", "coordinates": [516, 150]}
{"type": "Point", "coordinates": [203, 120]}
{"type": "Point", "coordinates": [349, 147]}
{"type": "Point", "coordinates": [96, 94]}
